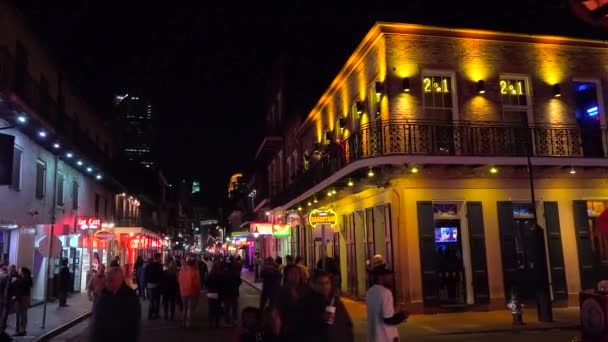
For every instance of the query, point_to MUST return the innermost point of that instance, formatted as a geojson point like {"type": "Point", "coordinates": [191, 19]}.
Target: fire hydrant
{"type": "Point", "coordinates": [516, 308]}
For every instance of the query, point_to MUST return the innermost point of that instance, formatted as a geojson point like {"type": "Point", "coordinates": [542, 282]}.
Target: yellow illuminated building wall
{"type": "Point", "coordinates": [391, 52]}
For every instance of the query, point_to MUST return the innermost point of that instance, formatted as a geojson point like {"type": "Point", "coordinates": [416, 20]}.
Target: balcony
{"type": "Point", "coordinates": [479, 139]}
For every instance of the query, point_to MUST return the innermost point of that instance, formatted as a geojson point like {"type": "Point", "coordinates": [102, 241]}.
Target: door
{"type": "Point", "coordinates": [370, 248]}
{"type": "Point", "coordinates": [359, 224]}
{"type": "Point", "coordinates": [556, 255]}
{"type": "Point", "coordinates": [351, 255]}
{"type": "Point", "coordinates": [510, 266]}
{"type": "Point", "coordinates": [428, 263]}
{"type": "Point", "coordinates": [478, 252]}
{"type": "Point", "coordinates": [588, 118]}
{"type": "Point", "coordinates": [583, 244]}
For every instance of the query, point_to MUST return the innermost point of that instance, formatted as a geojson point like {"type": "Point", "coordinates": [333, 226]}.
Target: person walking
{"type": "Point", "coordinates": [115, 262]}
{"type": "Point", "coordinates": [337, 324]}
{"type": "Point", "coordinates": [64, 283]}
{"type": "Point", "coordinates": [279, 262]}
{"type": "Point", "coordinates": [382, 320]}
{"type": "Point", "coordinates": [153, 278]}
{"type": "Point", "coordinates": [140, 275]}
{"type": "Point", "coordinates": [230, 292]}
{"type": "Point", "coordinates": [5, 281]}
{"type": "Point", "coordinates": [170, 290]}
{"type": "Point", "coordinates": [300, 318]}
{"type": "Point", "coordinates": [214, 285]}
{"type": "Point", "coordinates": [302, 267]}
{"type": "Point", "coordinates": [97, 283]}
{"type": "Point", "coordinates": [271, 283]}
{"type": "Point", "coordinates": [23, 292]}
{"type": "Point", "coordinates": [257, 264]}
{"type": "Point", "coordinates": [190, 290]}
{"type": "Point", "coordinates": [116, 313]}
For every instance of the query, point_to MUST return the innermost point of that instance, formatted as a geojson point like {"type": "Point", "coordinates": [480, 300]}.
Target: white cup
{"type": "Point", "coordinates": [330, 310]}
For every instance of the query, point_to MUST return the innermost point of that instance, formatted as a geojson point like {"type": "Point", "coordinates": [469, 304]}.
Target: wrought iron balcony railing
{"type": "Point", "coordinates": [443, 139]}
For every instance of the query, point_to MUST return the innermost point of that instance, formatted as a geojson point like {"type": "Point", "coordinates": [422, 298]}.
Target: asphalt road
{"type": "Point", "coordinates": [161, 330]}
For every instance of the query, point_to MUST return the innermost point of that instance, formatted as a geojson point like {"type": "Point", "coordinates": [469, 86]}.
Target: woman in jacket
{"type": "Point", "coordinates": [190, 289]}
{"type": "Point", "coordinates": [23, 293]}
{"type": "Point", "coordinates": [170, 290]}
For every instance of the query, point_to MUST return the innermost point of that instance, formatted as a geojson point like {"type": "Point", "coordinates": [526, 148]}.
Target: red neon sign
{"type": "Point", "coordinates": [89, 222]}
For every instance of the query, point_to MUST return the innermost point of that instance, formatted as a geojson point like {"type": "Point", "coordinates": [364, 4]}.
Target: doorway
{"type": "Point", "coordinates": [588, 118]}
{"type": "Point", "coordinates": [592, 244]}
{"type": "Point", "coordinates": [448, 250]}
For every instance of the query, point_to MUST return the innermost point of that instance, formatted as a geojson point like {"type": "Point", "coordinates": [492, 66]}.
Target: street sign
{"type": "Point", "coordinates": [326, 216]}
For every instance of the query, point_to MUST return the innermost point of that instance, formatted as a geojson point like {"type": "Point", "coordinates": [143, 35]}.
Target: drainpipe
{"type": "Point", "coordinates": [49, 258]}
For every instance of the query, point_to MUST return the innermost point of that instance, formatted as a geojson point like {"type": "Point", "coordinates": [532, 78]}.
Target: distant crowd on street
{"type": "Point", "coordinates": [15, 293]}
{"type": "Point", "coordinates": [296, 303]}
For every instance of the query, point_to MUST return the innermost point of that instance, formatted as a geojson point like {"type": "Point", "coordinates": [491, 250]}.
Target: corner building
{"type": "Point", "coordinates": [421, 145]}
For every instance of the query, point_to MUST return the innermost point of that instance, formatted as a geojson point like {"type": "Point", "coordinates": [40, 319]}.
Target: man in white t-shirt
{"type": "Point", "coordinates": [382, 320]}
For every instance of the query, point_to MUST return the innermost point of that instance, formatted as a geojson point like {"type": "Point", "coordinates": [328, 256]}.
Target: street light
{"type": "Point", "coordinates": [256, 233]}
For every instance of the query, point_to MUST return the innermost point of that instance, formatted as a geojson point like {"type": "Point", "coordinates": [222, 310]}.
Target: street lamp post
{"type": "Point", "coordinates": [537, 263]}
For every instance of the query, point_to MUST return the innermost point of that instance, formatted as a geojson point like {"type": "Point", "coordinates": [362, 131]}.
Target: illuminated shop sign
{"type": "Point", "coordinates": [88, 222]}
{"type": "Point", "coordinates": [103, 235]}
{"type": "Point", "coordinates": [261, 228]}
{"type": "Point", "coordinates": [281, 230]}
{"type": "Point", "coordinates": [145, 243]}
{"type": "Point", "coordinates": [319, 217]}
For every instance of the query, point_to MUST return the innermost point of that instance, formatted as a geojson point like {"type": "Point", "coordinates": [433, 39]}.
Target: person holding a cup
{"type": "Point", "coordinates": [382, 320]}
{"type": "Point", "coordinates": [338, 324]}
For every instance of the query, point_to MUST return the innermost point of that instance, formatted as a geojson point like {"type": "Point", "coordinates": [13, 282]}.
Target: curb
{"type": "Point", "coordinates": [248, 282]}
{"type": "Point", "coordinates": [60, 329]}
{"type": "Point", "coordinates": [512, 330]}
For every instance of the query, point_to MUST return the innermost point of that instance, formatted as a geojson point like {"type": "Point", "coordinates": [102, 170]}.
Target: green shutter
{"type": "Point", "coordinates": [478, 252]}
{"type": "Point", "coordinates": [583, 244]}
{"type": "Point", "coordinates": [507, 245]}
{"type": "Point", "coordinates": [428, 258]}
{"type": "Point", "coordinates": [556, 254]}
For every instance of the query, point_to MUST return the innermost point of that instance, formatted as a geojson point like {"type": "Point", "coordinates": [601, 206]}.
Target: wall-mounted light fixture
{"type": "Point", "coordinates": [379, 88]}
{"type": "Point", "coordinates": [370, 173]}
{"type": "Point", "coordinates": [557, 91]}
{"type": "Point", "coordinates": [328, 136]}
{"type": "Point", "coordinates": [572, 170]}
{"type": "Point", "coordinates": [342, 122]}
{"type": "Point", "coordinates": [406, 84]}
{"type": "Point", "coordinates": [481, 87]}
{"type": "Point", "coordinates": [351, 183]}
{"type": "Point", "coordinates": [359, 106]}
{"type": "Point", "coordinates": [317, 147]}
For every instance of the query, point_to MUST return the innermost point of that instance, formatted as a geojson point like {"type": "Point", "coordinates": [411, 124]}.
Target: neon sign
{"type": "Point", "coordinates": [88, 222]}
{"type": "Point", "coordinates": [103, 235]}
{"type": "Point", "coordinates": [261, 228]}
{"type": "Point", "coordinates": [280, 230]}
{"type": "Point", "coordinates": [319, 217]}
{"type": "Point", "coordinates": [436, 84]}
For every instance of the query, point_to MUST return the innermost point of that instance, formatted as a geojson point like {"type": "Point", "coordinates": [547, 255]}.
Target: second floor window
{"type": "Point", "coordinates": [74, 194]}
{"type": "Point", "coordinates": [60, 187]}
{"type": "Point", "coordinates": [97, 202]}
{"type": "Point", "coordinates": [16, 173]}
{"type": "Point", "coordinates": [437, 94]}
{"type": "Point", "coordinates": [515, 103]}
{"type": "Point", "coordinates": [40, 179]}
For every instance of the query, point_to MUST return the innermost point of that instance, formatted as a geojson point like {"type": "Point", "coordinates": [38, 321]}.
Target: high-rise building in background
{"type": "Point", "coordinates": [136, 122]}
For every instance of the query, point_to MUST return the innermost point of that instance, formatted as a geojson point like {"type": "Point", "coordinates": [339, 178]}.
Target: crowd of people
{"type": "Point", "coordinates": [296, 304]}
{"type": "Point", "coordinates": [15, 293]}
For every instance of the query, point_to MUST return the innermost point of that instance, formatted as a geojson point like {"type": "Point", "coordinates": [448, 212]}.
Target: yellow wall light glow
{"type": "Point", "coordinates": [551, 68]}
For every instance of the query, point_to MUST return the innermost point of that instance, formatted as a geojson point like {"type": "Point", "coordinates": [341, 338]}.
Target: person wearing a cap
{"type": "Point", "coordinates": [382, 319]}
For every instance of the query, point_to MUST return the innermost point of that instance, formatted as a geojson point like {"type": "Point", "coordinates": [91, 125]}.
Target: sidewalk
{"type": "Point", "coordinates": [56, 317]}
{"type": "Point", "coordinates": [419, 326]}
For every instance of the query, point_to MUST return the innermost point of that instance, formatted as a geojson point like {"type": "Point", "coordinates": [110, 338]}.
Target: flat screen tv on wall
{"type": "Point", "coordinates": [446, 234]}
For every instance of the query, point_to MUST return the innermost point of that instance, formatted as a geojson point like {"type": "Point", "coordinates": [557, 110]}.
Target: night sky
{"type": "Point", "coordinates": [205, 64]}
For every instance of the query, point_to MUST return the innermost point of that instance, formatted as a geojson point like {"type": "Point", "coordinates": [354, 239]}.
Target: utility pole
{"type": "Point", "coordinates": [537, 263]}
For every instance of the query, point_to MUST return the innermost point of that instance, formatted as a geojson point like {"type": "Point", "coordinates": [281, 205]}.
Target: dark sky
{"type": "Point", "coordinates": [205, 64]}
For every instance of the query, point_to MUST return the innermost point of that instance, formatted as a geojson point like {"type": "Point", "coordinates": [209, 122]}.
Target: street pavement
{"type": "Point", "coordinates": [163, 330]}
{"type": "Point", "coordinates": [420, 327]}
